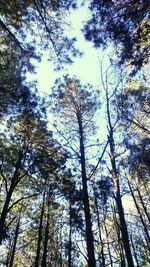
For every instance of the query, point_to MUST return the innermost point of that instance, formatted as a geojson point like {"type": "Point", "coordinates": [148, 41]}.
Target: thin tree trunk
{"type": "Point", "coordinates": [70, 234]}
{"type": "Point", "coordinates": [124, 231]}
{"type": "Point", "coordinates": [14, 245]}
{"type": "Point", "coordinates": [14, 182]}
{"type": "Point", "coordinates": [61, 245]}
{"type": "Point", "coordinates": [46, 236]}
{"type": "Point", "coordinates": [40, 234]}
{"type": "Point", "coordinates": [121, 251]}
{"type": "Point", "coordinates": [100, 236]}
{"type": "Point", "coordinates": [88, 223]}
{"type": "Point", "coordinates": [143, 205]}
{"type": "Point", "coordinates": [109, 253]}
{"type": "Point", "coordinates": [135, 255]}
{"type": "Point", "coordinates": [9, 254]}
{"type": "Point", "coordinates": [4, 213]}
{"type": "Point", "coordinates": [123, 226]}
{"type": "Point", "coordinates": [139, 212]}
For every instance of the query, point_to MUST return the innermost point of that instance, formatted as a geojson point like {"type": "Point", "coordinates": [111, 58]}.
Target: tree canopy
{"type": "Point", "coordinates": [125, 24]}
{"type": "Point", "coordinates": [74, 157]}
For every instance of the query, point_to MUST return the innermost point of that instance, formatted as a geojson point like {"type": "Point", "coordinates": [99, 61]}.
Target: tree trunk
{"type": "Point", "coordinates": [100, 236]}
{"type": "Point", "coordinates": [14, 245]}
{"type": "Point", "coordinates": [120, 248]}
{"type": "Point", "coordinates": [9, 253]}
{"type": "Point", "coordinates": [46, 236]}
{"type": "Point", "coordinates": [135, 255]}
{"type": "Point", "coordinates": [123, 226]}
{"type": "Point", "coordinates": [61, 245]}
{"type": "Point", "coordinates": [14, 182]}
{"type": "Point", "coordinates": [109, 252]}
{"type": "Point", "coordinates": [4, 213]}
{"type": "Point", "coordinates": [143, 205]}
{"type": "Point", "coordinates": [70, 234]}
{"type": "Point", "coordinates": [40, 234]}
{"type": "Point", "coordinates": [88, 230]}
{"type": "Point", "coordinates": [139, 212]}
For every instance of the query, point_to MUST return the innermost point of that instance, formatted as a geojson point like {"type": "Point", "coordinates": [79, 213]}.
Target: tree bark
{"type": "Point", "coordinates": [14, 245]}
{"type": "Point", "coordinates": [40, 234]}
{"type": "Point", "coordinates": [14, 182]}
{"type": "Point", "coordinates": [70, 234]}
{"type": "Point", "coordinates": [143, 205]}
{"type": "Point", "coordinates": [88, 223]}
{"type": "Point", "coordinates": [135, 255]}
{"type": "Point", "coordinates": [123, 226]}
{"type": "Point", "coordinates": [100, 235]}
{"type": "Point", "coordinates": [46, 235]}
{"type": "Point", "coordinates": [109, 252]}
{"type": "Point", "coordinates": [4, 213]}
{"type": "Point", "coordinates": [139, 212]}
{"type": "Point", "coordinates": [120, 248]}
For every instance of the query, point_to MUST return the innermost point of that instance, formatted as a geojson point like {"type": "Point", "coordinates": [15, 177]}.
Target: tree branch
{"type": "Point", "coordinates": [22, 198]}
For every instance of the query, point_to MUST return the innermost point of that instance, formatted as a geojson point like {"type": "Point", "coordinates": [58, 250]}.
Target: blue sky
{"type": "Point", "coordinates": [86, 68]}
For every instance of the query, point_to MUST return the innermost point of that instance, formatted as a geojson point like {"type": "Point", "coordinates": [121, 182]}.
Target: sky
{"type": "Point", "coordinates": [86, 68]}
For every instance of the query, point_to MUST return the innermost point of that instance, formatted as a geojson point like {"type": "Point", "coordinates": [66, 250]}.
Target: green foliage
{"type": "Point", "coordinates": [28, 156]}
{"type": "Point", "coordinates": [27, 28]}
{"type": "Point", "coordinates": [53, 189]}
{"type": "Point", "coordinates": [32, 24]}
{"type": "Point", "coordinates": [72, 100]}
{"type": "Point", "coordinates": [124, 23]}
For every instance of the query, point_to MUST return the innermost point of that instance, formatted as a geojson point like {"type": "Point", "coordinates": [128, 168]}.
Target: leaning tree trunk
{"type": "Point", "coordinates": [14, 182]}
{"type": "Point", "coordinates": [143, 205]}
{"type": "Point", "coordinates": [139, 212]}
{"type": "Point", "coordinates": [124, 231]}
{"type": "Point", "coordinates": [123, 226]}
{"type": "Point", "coordinates": [5, 212]}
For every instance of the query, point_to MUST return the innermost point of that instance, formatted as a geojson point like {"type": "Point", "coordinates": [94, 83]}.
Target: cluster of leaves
{"type": "Point", "coordinates": [124, 23]}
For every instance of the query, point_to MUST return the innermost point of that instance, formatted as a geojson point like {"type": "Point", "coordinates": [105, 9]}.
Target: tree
{"type": "Point", "coordinates": [15, 242]}
{"type": "Point", "coordinates": [76, 107]}
{"type": "Point", "coordinates": [133, 104]}
{"type": "Point", "coordinates": [123, 23]}
{"type": "Point", "coordinates": [67, 187]}
{"type": "Point", "coordinates": [26, 151]}
{"type": "Point", "coordinates": [26, 27]}
{"type": "Point", "coordinates": [129, 146]}
{"type": "Point", "coordinates": [15, 94]}
{"type": "Point", "coordinates": [111, 125]}
{"type": "Point", "coordinates": [102, 191]}
{"type": "Point", "coordinates": [37, 258]}
{"type": "Point", "coordinates": [29, 24]}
